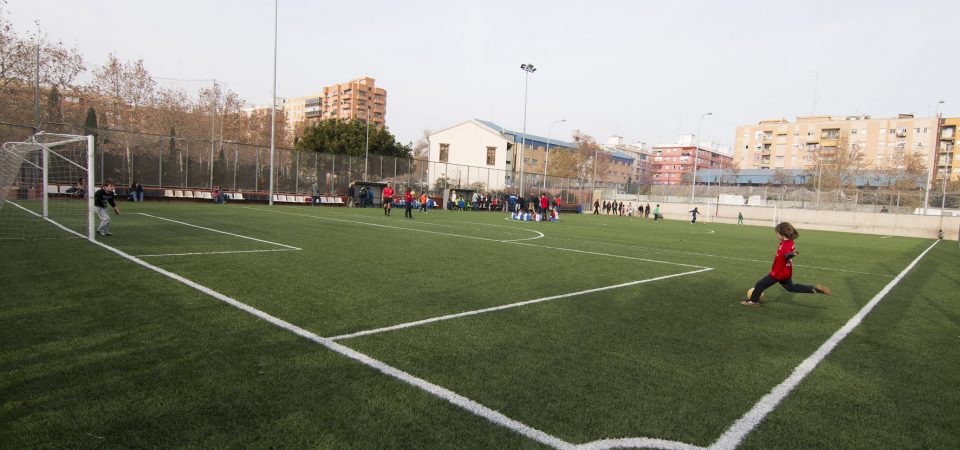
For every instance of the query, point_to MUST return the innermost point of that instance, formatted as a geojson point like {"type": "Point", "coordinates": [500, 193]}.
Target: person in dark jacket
{"type": "Point", "coordinates": [101, 198]}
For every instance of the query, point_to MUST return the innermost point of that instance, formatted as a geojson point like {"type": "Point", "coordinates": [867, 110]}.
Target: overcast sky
{"type": "Point", "coordinates": [643, 70]}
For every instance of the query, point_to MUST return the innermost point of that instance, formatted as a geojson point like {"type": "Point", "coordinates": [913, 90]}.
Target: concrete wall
{"type": "Point", "coordinates": [885, 224]}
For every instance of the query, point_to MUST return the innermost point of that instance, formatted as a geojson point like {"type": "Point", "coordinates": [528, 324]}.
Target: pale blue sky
{"type": "Point", "coordinates": [643, 70]}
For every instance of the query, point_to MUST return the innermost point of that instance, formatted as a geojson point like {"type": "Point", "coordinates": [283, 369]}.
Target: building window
{"type": "Point", "coordinates": [444, 152]}
{"type": "Point", "coordinates": [491, 156]}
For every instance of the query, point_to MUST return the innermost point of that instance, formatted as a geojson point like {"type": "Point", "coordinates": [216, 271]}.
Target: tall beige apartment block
{"type": "Point", "coordinates": [780, 144]}
{"type": "Point", "coordinates": [354, 99]}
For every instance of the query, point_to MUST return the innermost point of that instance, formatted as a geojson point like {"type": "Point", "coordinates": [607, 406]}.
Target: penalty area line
{"type": "Point", "coordinates": [220, 253]}
{"type": "Point", "coordinates": [509, 306]}
{"type": "Point", "coordinates": [290, 247]}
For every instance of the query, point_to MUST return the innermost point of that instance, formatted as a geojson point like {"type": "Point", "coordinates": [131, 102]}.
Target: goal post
{"type": "Point", "coordinates": [766, 215]}
{"type": "Point", "coordinates": [47, 180]}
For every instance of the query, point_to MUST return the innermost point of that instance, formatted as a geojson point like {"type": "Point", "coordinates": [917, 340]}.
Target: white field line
{"type": "Point", "coordinates": [540, 235]}
{"type": "Point", "coordinates": [433, 389]}
{"type": "Point", "coordinates": [637, 443]}
{"type": "Point", "coordinates": [481, 238]}
{"type": "Point", "coordinates": [886, 237]}
{"type": "Point", "coordinates": [730, 439]}
{"type": "Point", "coordinates": [223, 232]}
{"type": "Point", "coordinates": [724, 257]}
{"type": "Point", "coordinates": [219, 253]}
{"type": "Point", "coordinates": [742, 427]}
{"type": "Point", "coordinates": [509, 306]}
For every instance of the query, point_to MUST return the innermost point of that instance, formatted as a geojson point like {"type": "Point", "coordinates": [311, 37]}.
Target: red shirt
{"type": "Point", "coordinates": [408, 197]}
{"type": "Point", "coordinates": [557, 202]}
{"type": "Point", "coordinates": [387, 193]}
{"type": "Point", "coordinates": [782, 267]}
{"type": "Point", "coordinates": [544, 202]}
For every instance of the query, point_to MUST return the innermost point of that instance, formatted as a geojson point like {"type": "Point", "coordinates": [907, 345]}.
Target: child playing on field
{"type": "Point", "coordinates": [101, 198]}
{"type": "Point", "coordinates": [782, 271]}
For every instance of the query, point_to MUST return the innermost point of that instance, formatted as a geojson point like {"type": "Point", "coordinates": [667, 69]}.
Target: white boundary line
{"type": "Point", "coordinates": [742, 427]}
{"type": "Point", "coordinates": [222, 232]}
{"type": "Point", "coordinates": [479, 238]}
{"type": "Point", "coordinates": [725, 257]}
{"type": "Point", "coordinates": [886, 237]}
{"type": "Point", "coordinates": [438, 391]}
{"type": "Point", "coordinates": [508, 306]}
{"type": "Point", "coordinates": [219, 253]}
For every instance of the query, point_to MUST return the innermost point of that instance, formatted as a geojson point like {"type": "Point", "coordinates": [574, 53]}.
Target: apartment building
{"type": "Point", "coordinates": [946, 156]}
{"type": "Point", "coordinates": [671, 163]}
{"type": "Point", "coordinates": [354, 99]}
{"type": "Point", "coordinates": [780, 144]}
{"type": "Point", "coordinates": [640, 166]}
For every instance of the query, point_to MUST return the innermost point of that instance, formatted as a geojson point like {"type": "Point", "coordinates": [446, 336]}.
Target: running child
{"type": "Point", "coordinates": [782, 271]}
{"type": "Point", "coordinates": [695, 211]}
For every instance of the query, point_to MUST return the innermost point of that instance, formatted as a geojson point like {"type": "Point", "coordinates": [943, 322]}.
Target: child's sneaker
{"type": "Point", "coordinates": [749, 303]}
{"type": "Point", "coordinates": [821, 289]}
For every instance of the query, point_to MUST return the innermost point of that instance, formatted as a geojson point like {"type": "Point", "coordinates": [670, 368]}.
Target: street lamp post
{"type": "Point", "coordinates": [696, 155]}
{"type": "Point", "coordinates": [273, 99]}
{"type": "Point", "coordinates": [528, 68]}
{"type": "Point", "coordinates": [546, 157]}
{"type": "Point", "coordinates": [366, 157]}
{"type": "Point", "coordinates": [933, 160]}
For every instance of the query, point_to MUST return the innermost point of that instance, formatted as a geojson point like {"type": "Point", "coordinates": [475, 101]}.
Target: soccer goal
{"type": "Point", "coordinates": [46, 187]}
{"type": "Point", "coordinates": [752, 214]}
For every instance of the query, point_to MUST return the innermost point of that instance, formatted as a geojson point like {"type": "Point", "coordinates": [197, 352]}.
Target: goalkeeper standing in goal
{"type": "Point", "coordinates": [101, 198]}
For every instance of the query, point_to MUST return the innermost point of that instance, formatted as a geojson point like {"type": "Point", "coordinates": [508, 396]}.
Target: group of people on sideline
{"type": "Point", "coordinates": [614, 208]}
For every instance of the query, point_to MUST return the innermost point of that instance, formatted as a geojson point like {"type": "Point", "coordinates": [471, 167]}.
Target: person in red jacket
{"type": "Point", "coordinates": [408, 204]}
{"type": "Point", "coordinates": [544, 205]}
{"type": "Point", "coordinates": [387, 199]}
{"type": "Point", "coordinates": [782, 271]}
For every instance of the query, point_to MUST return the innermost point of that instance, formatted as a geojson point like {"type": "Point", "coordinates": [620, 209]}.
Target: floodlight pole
{"type": "Point", "coordinates": [528, 68]}
{"type": "Point", "coordinates": [273, 98]}
{"type": "Point", "coordinates": [696, 155]}
{"type": "Point", "coordinates": [366, 157]}
{"type": "Point", "coordinates": [933, 160]}
{"type": "Point", "coordinates": [546, 157]}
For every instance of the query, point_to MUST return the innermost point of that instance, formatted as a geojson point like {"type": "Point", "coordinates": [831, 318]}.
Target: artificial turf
{"type": "Point", "coordinates": [98, 351]}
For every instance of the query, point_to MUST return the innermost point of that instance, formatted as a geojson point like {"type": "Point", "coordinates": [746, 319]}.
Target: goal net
{"type": "Point", "coordinates": [752, 214]}
{"type": "Point", "coordinates": [45, 187]}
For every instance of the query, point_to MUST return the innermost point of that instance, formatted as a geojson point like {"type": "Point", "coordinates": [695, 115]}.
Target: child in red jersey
{"type": "Point", "coordinates": [782, 271]}
{"type": "Point", "coordinates": [387, 199]}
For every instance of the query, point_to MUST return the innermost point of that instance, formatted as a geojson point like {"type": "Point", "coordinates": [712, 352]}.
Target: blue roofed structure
{"type": "Point", "coordinates": [531, 140]}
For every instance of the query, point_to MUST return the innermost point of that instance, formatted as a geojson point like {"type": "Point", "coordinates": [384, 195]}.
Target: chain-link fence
{"type": "Point", "coordinates": [173, 162]}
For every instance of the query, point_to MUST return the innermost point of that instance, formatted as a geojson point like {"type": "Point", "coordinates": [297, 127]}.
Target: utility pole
{"type": "Point", "coordinates": [273, 98]}
{"type": "Point", "coordinates": [213, 122]}
{"type": "Point", "coordinates": [36, 87]}
{"type": "Point", "coordinates": [933, 160]}
{"type": "Point", "coordinates": [528, 68]}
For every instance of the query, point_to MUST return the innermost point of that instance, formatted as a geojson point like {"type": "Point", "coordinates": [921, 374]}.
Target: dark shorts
{"type": "Point", "coordinates": [387, 203]}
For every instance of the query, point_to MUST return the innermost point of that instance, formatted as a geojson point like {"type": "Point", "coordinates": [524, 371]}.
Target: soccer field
{"type": "Point", "coordinates": [256, 326]}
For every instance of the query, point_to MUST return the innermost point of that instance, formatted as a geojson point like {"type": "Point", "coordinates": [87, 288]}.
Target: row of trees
{"type": "Point", "coordinates": [124, 95]}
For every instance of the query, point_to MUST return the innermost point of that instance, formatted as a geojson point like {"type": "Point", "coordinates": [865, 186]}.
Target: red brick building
{"type": "Point", "coordinates": [670, 162]}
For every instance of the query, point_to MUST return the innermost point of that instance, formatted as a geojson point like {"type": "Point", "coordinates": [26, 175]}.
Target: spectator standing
{"type": "Point", "coordinates": [315, 193]}
{"type": "Point", "coordinates": [423, 202]}
{"type": "Point", "coordinates": [350, 193]}
{"type": "Point", "coordinates": [544, 204]}
{"type": "Point", "coordinates": [596, 207]}
{"type": "Point", "coordinates": [646, 212]}
{"type": "Point", "coordinates": [408, 206]}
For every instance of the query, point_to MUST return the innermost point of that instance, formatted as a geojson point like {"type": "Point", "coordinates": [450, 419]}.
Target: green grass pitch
{"type": "Point", "coordinates": [635, 331]}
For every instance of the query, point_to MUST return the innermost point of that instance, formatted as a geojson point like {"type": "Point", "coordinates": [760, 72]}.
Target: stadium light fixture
{"type": "Point", "coordinates": [696, 155]}
{"type": "Point", "coordinates": [528, 68]}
